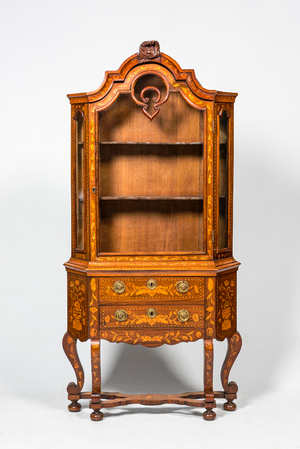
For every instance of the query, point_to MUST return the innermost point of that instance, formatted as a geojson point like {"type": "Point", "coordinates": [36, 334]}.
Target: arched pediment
{"type": "Point", "coordinates": [149, 59]}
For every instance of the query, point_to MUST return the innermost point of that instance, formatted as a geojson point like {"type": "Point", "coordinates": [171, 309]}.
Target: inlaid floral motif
{"type": "Point", "coordinates": [210, 309]}
{"type": "Point", "coordinates": [138, 317]}
{"type": "Point", "coordinates": [208, 372]}
{"type": "Point", "coordinates": [77, 307]}
{"type": "Point", "coordinates": [226, 307]}
{"type": "Point", "coordinates": [92, 171]}
{"type": "Point", "coordinates": [69, 346]}
{"type": "Point", "coordinates": [137, 288]}
{"type": "Point", "coordinates": [143, 338]}
{"type": "Point", "coordinates": [93, 310]}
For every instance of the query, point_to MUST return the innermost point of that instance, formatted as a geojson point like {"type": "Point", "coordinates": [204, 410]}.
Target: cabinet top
{"type": "Point", "coordinates": [150, 59]}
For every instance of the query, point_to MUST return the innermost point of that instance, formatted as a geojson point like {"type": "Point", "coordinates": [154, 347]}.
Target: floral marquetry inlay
{"type": "Point", "coordinates": [93, 308]}
{"type": "Point", "coordinates": [146, 338]}
{"type": "Point", "coordinates": [92, 176]}
{"type": "Point", "coordinates": [138, 317]}
{"type": "Point", "coordinates": [226, 306]}
{"type": "Point", "coordinates": [77, 307]}
{"type": "Point", "coordinates": [136, 288]}
{"type": "Point", "coordinates": [210, 308]}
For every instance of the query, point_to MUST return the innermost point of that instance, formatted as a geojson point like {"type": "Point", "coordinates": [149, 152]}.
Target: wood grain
{"type": "Point", "coordinates": [69, 346]}
{"type": "Point", "coordinates": [151, 226]}
{"type": "Point", "coordinates": [151, 170]}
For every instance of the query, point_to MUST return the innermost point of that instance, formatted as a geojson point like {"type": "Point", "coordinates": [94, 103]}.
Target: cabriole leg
{"type": "Point", "coordinates": [95, 402]}
{"type": "Point", "coordinates": [231, 388]}
{"type": "Point", "coordinates": [209, 414]}
{"type": "Point", "coordinates": [69, 346]}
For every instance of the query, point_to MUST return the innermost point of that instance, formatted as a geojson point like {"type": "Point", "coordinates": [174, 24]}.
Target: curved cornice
{"type": "Point", "coordinates": [180, 75]}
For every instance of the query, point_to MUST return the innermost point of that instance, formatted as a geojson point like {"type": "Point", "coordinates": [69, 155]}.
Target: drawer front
{"type": "Point", "coordinates": [152, 316]}
{"type": "Point", "coordinates": [156, 288]}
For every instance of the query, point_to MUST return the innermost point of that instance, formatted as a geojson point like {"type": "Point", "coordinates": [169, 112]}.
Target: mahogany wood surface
{"type": "Point", "coordinates": [231, 388]}
{"type": "Point", "coordinates": [165, 225]}
{"type": "Point", "coordinates": [152, 207]}
{"type": "Point", "coordinates": [96, 403]}
{"type": "Point", "coordinates": [69, 346]}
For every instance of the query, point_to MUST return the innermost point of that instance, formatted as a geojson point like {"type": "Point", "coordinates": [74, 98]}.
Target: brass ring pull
{"type": "Point", "coordinates": [151, 313]}
{"type": "Point", "coordinates": [121, 315]}
{"type": "Point", "coordinates": [119, 287]}
{"type": "Point", "coordinates": [183, 315]}
{"type": "Point", "coordinates": [182, 286]}
{"type": "Point", "coordinates": [152, 284]}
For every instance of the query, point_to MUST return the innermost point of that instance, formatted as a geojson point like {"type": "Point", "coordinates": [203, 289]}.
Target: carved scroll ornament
{"type": "Point", "coordinates": [145, 100]}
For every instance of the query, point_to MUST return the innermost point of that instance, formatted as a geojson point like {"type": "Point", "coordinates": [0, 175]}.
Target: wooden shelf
{"type": "Point", "coordinates": [151, 198]}
{"type": "Point", "coordinates": [150, 143]}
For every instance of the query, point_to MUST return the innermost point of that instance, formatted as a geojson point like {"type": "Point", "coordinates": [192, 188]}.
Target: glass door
{"type": "Point", "coordinates": [151, 178]}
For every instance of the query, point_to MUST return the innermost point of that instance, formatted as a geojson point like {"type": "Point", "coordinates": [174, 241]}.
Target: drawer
{"type": "Point", "coordinates": [156, 288]}
{"type": "Point", "coordinates": [152, 316]}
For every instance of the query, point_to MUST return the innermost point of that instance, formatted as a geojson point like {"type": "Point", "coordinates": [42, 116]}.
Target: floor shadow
{"type": "Point", "coordinates": [140, 370]}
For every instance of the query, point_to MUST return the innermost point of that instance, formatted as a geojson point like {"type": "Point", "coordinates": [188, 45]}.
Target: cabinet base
{"type": "Point", "coordinates": [191, 399]}
{"type": "Point", "coordinates": [206, 399]}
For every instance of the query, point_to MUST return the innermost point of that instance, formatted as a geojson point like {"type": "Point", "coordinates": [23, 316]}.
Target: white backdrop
{"type": "Point", "coordinates": [51, 48]}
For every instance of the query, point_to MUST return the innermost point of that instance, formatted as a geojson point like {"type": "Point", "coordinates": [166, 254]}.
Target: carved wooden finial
{"type": "Point", "coordinates": [149, 50]}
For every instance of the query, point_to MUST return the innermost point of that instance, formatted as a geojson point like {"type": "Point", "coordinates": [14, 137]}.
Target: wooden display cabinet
{"type": "Point", "coordinates": [152, 185]}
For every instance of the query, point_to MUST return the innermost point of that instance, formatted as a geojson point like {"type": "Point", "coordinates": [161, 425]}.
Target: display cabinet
{"type": "Point", "coordinates": [152, 186]}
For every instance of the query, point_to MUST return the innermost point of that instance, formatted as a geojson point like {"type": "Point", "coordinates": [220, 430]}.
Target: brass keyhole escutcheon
{"type": "Point", "coordinates": [119, 287]}
{"type": "Point", "coordinates": [182, 286]}
{"type": "Point", "coordinates": [183, 315]}
{"type": "Point", "coordinates": [121, 315]}
{"type": "Point", "coordinates": [151, 313]}
{"type": "Point", "coordinates": [152, 284]}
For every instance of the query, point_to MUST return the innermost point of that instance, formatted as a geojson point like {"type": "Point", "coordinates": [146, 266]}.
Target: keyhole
{"type": "Point", "coordinates": [151, 313]}
{"type": "Point", "coordinates": [151, 284]}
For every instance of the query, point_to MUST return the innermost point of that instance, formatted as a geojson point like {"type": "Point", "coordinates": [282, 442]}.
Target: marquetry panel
{"type": "Point", "coordinates": [93, 307]}
{"type": "Point", "coordinates": [136, 289]}
{"type": "Point", "coordinates": [165, 316]}
{"type": "Point", "coordinates": [226, 306]}
{"type": "Point", "coordinates": [210, 307]}
{"type": "Point", "coordinates": [147, 337]}
{"type": "Point", "coordinates": [77, 306]}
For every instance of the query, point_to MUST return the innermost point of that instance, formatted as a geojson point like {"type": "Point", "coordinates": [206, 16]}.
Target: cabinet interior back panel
{"type": "Point", "coordinates": [151, 226]}
{"type": "Point", "coordinates": [176, 121]}
{"type": "Point", "coordinates": [147, 169]}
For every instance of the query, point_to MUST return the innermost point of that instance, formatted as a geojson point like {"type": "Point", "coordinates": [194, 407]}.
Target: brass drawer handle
{"type": "Point", "coordinates": [121, 315]}
{"type": "Point", "coordinates": [152, 284]}
{"type": "Point", "coordinates": [183, 315]}
{"type": "Point", "coordinates": [119, 287]}
{"type": "Point", "coordinates": [151, 313]}
{"type": "Point", "coordinates": [182, 286]}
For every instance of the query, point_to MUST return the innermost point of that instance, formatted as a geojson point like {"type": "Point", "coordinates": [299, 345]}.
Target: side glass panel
{"type": "Point", "coordinates": [223, 181]}
{"type": "Point", "coordinates": [79, 183]}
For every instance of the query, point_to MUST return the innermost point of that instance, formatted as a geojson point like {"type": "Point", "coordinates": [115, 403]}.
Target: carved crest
{"type": "Point", "coordinates": [155, 99]}
{"type": "Point", "coordinates": [149, 50]}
